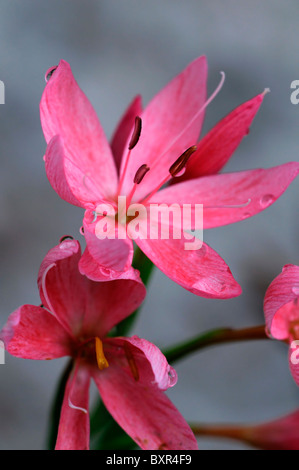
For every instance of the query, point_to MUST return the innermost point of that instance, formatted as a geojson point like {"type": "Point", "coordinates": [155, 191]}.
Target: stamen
{"type": "Point", "coordinates": [136, 133]}
{"type": "Point", "coordinates": [175, 168]}
{"type": "Point", "coordinates": [131, 361]}
{"type": "Point", "coordinates": [180, 163]}
{"type": "Point", "coordinates": [192, 120]}
{"type": "Point", "coordinates": [150, 195]}
{"type": "Point", "coordinates": [101, 359]}
{"type": "Point", "coordinates": [140, 173]}
{"type": "Point", "coordinates": [132, 143]}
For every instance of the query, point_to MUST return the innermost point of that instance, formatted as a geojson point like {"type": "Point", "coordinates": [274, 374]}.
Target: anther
{"type": "Point", "coordinates": [180, 163]}
{"type": "Point", "coordinates": [136, 133]}
{"type": "Point", "coordinates": [140, 173]}
{"type": "Point", "coordinates": [101, 359]}
{"type": "Point", "coordinates": [131, 361]}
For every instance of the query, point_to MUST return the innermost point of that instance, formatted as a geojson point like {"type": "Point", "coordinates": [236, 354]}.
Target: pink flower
{"type": "Point", "coordinates": [279, 434]}
{"type": "Point", "coordinates": [281, 309]}
{"type": "Point", "coordinates": [130, 373]}
{"type": "Point", "coordinates": [86, 171]}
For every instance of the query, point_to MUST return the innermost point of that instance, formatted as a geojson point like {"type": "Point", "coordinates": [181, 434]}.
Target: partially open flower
{"type": "Point", "coordinates": [131, 374]}
{"type": "Point", "coordinates": [279, 434]}
{"type": "Point", "coordinates": [281, 308]}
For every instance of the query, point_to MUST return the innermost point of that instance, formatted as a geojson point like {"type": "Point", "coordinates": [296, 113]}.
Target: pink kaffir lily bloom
{"type": "Point", "coordinates": [131, 374]}
{"type": "Point", "coordinates": [144, 155]}
{"type": "Point", "coordinates": [281, 309]}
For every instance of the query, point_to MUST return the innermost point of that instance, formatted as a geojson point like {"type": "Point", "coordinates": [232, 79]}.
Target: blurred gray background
{"type": "Point", "coordinates": [116, 50]}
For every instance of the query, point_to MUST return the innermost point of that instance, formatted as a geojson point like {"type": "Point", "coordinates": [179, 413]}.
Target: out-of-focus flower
{"type": "Point", "coordinates": [281, 309]}
{"type": "Point", "coordinates": [131, 374]}
{"type": "Point", "coordinates": [279, 434]}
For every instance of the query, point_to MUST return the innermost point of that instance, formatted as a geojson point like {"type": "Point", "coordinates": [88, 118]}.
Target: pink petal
{"type": "Point", "coordinates": [200, 271]}
{"type": "Point", "coordinates": [280, 434]}
{"type": "Point", "coordinates": [62, 287]}
{"type": "Point", "coordinates": [67, 179]}
{"type": "Point", "coordinates": [108, 303]}
{"type": "Point", "coordinates": [113, 255]}
{"type": "Point", "coordinates": [33, 333]}
{"type": "Point", "coordinates": [137, 403]}
{"type": "Point", "coordinates": [169, 126]}
{"type": "Point", "coordinates": [283, 290]}
{"type": "Point", "coordinates": [124, 130]}
{"type": "Point", "coordinates": [150, 364]}
{"type": "Point", "coordinates": [67, 112]}
{"type": "Point", "coordinates": [84, 307]}
{"type": "Point", "coordinates": [73, 431]}
{"type": "Point", "coordinates": [215, 149]}
{"type": "Point", "coordinates": [231, 197]}
{"type": "Point", "coordinates": [96, 272]}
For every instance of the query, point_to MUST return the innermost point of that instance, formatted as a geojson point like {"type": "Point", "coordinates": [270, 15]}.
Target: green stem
{"type": "Point", "coordinates": [212, 338]}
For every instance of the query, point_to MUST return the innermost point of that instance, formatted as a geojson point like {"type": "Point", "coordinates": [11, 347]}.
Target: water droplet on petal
{"type": "Point", "coordinates": [50, 72]}
{"type": "Point", "coordinates": [246, 215]}
{"type": "Point", "coordinates": [266, 200]}
{"type": "Point", "coordinates": [81, 230]}
{"type": "Point", "coordinates": [295, 290]}
{"type": "Point", "coordinates": [172, 377]}
{"type": "Point", "coordinates": [247, 131]}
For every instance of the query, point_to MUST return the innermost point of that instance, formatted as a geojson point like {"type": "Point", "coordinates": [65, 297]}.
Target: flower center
{"type": "Point", "coordinates": [92, 348]}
